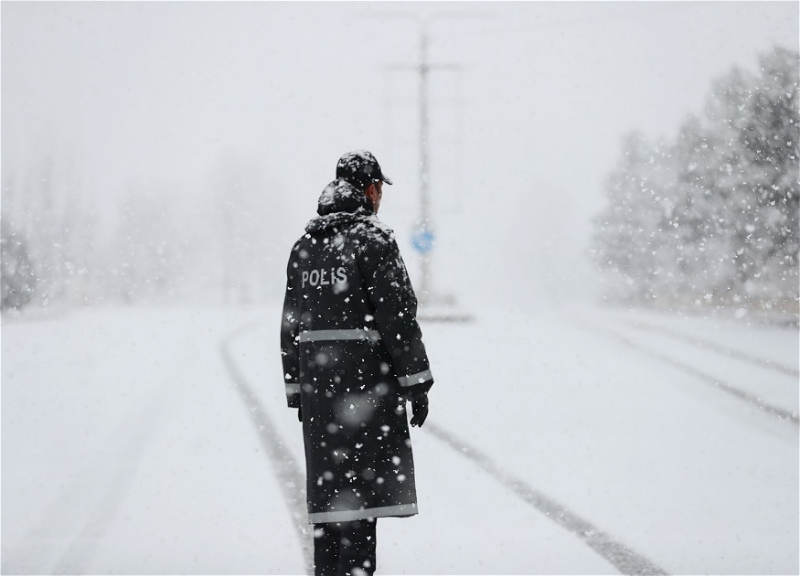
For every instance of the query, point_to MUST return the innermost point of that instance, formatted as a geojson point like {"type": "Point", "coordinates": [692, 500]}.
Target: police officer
{"type": "Point", "coordinates": [352, 357]}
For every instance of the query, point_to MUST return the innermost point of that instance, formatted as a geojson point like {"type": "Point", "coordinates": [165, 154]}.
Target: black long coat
{"type": "Point", "coordinates": [352, 354]}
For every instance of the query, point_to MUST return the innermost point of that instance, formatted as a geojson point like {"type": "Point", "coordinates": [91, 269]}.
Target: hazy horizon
{"type": "Point", "coordinates": [157, 101]}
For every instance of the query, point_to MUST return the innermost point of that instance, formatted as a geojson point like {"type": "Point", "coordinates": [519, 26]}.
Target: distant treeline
{"type": "Point", "coordinates": [60, 250]}
{"type": "Point", "coordinates": [711, 217]}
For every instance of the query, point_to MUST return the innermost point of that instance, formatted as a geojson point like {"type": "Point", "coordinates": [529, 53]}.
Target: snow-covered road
{"type": "Point", "coordinates": [158, 441]}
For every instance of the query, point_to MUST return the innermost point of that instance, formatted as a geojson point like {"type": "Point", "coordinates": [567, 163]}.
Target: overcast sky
{"type": "Point", "coordinates": [158, 92]}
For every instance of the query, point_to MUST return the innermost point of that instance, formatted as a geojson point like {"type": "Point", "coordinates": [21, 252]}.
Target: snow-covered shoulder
{"type": "Point", "coordinates": [382, 226]}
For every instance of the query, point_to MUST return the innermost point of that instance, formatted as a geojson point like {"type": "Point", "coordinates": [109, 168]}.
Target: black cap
{"type": "Point", "coordinates": [360, 168]}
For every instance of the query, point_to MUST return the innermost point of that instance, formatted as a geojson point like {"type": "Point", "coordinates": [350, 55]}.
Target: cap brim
{"type": "Point", "coordinates": [386, 179]}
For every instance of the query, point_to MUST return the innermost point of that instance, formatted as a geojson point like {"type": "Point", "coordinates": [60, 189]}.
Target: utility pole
{"type": "Point", "coordinates": [424, 232]}
{"type": "Point", "coordinates": [424, 236]}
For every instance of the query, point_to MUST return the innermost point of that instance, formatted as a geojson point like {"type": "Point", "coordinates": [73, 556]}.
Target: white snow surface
{"type": "Point", "coordinates": [128, 448]}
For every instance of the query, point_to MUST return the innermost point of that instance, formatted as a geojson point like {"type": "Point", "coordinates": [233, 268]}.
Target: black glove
{"type": "Point", "coordinates": [419, 407]}
{"type": "Point", "coordinates": [300, 413]}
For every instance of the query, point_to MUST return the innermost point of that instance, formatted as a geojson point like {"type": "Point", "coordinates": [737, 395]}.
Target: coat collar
{"type": "Point", "coordinates": [341, 196]}
{"type": "Point", "coordinates": [340, 204]}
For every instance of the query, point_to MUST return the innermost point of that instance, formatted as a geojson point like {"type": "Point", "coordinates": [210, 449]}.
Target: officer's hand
{"type": "Point", "coordinates": [419, 407]}
{"type": "Point", "coordinates": [300, 413]}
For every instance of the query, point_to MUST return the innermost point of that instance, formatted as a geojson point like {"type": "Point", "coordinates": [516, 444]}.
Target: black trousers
{"type": "Point", "coordinates": [345, 548]}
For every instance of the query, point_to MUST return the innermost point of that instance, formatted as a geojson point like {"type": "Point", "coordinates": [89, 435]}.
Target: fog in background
{"type": "Point", "coordinates": [173, 152]}
{"type": "Point", "coordinates": [592, 166]}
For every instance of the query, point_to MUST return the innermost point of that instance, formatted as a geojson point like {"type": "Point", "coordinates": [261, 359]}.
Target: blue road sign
{"type": "Point", "coordinates": [422, 240]}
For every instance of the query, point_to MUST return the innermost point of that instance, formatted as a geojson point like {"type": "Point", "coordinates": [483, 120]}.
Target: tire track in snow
{"type": "Point", "coordinates": [290, 475]}
{"type": "Point", "coordinates": [84, 545]}
{"type": "Point", "coordinates": [777, 411]}
{"type": "Point", "coordinates": [706, 344]}
{"type": "Point", "coordinates": [41, 550]}
{"type": "Point", "coordinates": [619, 555]}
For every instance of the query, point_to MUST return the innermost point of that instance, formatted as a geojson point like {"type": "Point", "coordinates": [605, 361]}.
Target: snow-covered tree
{"type": "Point", "coordinates": [769, 135]}
{"type": "Point", "coordinates": [146, 261]}
{"type": "Point", "coordinates": [713, 216]}
{"type": "Point", "coordinates": [18, 272]}
{"type": "Point", "coordinates": [249, 207]}
{"type": "Point", "coordinates": [628, 233]}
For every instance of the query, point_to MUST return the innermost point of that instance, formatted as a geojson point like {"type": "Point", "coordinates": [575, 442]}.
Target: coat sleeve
{"type": "Point", "coordinates": [290, 341]}
{"type": "Point", "coordinates": [395, 304]}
